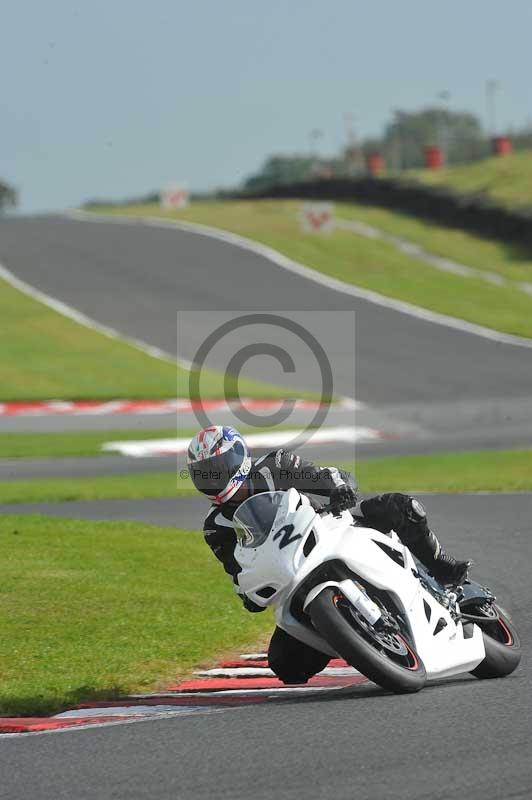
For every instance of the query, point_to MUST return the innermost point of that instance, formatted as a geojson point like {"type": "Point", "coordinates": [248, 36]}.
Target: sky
{"type": "Point", "coordinates": [115, 98]}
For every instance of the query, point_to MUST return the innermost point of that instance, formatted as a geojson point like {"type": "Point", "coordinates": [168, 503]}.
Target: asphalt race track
{"type": "Point", "coordinates": [461, 738]}
{"type": "Point", "coordinates": [135, 278]}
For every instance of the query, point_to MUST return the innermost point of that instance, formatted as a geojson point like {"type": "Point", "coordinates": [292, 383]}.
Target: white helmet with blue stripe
{"type": "Point", "coordinates": [218, 462]}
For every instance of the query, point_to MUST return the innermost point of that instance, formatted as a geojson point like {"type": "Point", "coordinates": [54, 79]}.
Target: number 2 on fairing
{"type": "Point", "coordinates": [286, 530]}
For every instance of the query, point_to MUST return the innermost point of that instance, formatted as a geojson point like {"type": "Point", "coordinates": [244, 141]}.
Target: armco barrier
{"type": "Point", "coordinates": [473, 213]}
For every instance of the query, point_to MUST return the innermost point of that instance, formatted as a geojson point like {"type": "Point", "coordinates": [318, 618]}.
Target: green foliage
{"type": "Point", "coordinates": [402, 143]}
{"type": "Point", "coordinates": [8, 196]}
{"type": "Point", "coordinates": [459, 134]}
{"type": "Point", "coordinates": [522, 139]}
{"type": "Point", "coordinates": [279, 170]}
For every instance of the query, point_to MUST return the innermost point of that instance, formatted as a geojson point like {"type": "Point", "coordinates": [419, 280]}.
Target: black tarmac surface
{"type": "Point", "coordinates": [184, 512]}
{"type": "Point", "coordinates": [136, 278]}
{"type": "Point", "coordinates": [461, 738]}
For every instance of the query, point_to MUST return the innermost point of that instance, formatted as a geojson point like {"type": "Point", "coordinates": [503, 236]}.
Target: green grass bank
{"type": "Point", "coordinates": [105, 609]}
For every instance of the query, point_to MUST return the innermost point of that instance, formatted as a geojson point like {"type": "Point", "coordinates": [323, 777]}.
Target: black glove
{"type": "Point", "coordinates": [343, 497]}
{"type": "Point", "coordinates": [249, 605]}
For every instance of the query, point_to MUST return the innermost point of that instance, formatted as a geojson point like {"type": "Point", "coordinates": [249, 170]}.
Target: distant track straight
{"type": "Point", "coordinates": [134, 278]}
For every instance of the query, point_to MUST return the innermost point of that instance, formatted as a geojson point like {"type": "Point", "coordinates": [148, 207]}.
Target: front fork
{"type": "Point", "coordinates": [350, 589]}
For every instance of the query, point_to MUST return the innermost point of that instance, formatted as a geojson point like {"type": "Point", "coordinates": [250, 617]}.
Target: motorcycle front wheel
{"type": "Point", "coordinates": [384, 656]}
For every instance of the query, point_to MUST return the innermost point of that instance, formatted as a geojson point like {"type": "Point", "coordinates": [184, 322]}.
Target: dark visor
{"type": "Point", "coordinates": [211, 475]}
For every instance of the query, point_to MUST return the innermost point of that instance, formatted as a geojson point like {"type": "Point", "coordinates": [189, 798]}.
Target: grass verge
{"type": "Point", "coordinates": [89, 443]}
{"type": "Point", "coordinates": [507, 180]}
{"type": "Point", "coordinates": [499, 470]}
{"type": "Point", "coordinates": [511, 261]}
{"type": "Point", "coordinates": [367, 263]}
{"type": "Point", "coordinates": [46, 355]}
{"type": "Point", "coordinates": [106, 609]}
{"type": "Point", "coordinates": [73, 443]}
{"type": "Point", "coordinates": [106, 487]}
{"type": "Point", "coordinates": [477, 471]}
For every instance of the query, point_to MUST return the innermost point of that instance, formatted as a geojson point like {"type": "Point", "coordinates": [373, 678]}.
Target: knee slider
{"type": "Point", "coordinates": [292, 676]}
{"type": "Point", "coordinates": [288, 673]}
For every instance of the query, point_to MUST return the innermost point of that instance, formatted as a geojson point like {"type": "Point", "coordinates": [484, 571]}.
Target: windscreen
{"type": "Point", "coordinates": [254, 519]}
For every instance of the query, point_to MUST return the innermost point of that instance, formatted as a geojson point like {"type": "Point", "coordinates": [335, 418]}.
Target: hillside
{"type": "Point", "coordinates": [507, 180]}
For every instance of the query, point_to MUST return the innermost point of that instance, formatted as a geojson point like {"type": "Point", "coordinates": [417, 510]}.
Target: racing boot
{"type": "Point", "coordinates": [447, 570]}
{"type": "Point", "coordinates": [424, 545]}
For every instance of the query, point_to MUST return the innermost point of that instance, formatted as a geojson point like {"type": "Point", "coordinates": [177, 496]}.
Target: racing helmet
{"type": "Point", "coordinates": [218, 462]}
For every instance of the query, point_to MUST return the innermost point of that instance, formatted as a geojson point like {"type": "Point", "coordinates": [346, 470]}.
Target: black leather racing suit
{"type": "Point", "coordinates": [279, 469]}
{"type": "Point", "coordinates": [291, 660]}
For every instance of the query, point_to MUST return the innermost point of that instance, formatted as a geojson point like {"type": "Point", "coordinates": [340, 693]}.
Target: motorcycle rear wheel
{"type": "Point", "coordinates": [501, 642]}
{"type": "Point", "coordinates": [387, 659]}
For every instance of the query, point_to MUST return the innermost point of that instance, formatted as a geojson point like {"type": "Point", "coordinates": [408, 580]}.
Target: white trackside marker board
{"type": "Point", "coordinates": [173, 196]}
{"type": "Point", "coordinates": [317, 217]}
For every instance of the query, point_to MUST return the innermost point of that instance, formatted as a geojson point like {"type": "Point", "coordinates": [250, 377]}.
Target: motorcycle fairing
{"type": "Point", "coordinates": [437, 637]}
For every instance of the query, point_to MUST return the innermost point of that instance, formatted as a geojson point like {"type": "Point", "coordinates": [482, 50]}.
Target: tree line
{"type": "Point", "coordinates": [402, 144]}
{"type": "Point", "coordinates": [8, 196]}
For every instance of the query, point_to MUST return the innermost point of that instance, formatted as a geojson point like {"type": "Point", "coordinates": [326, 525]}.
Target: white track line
{"type": "Point", "coordinates": [82, 319]}
{"type": "Point", "coordinates": [265, 672]}
{"type": "Point", "coordinates": [253, 656]}
{"type": "Point", "coordinates": [306, 272]}
{"type": "Point", "coordinates": [90, 726]}
{"type": "Point", "coordinates": [275, 690]}
{"type": "Point", "coordinates": [155, 447]}
{"type": "Point", "coordinates": [416, 251]}
{"type": "Point", "coordinates": [132, 711]}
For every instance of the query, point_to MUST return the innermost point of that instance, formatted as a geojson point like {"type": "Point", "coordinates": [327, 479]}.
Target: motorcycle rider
{"type": "Point", "coordinates": [221, 467]}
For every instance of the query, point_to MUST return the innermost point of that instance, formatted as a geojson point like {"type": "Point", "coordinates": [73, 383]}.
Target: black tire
{"type": "Point", "coordinates": [341, 633]}
{"type": "Point", "coordinates": [503, 648]}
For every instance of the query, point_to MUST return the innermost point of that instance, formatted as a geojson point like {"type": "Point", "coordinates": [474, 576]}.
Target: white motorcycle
{"type": "Point", "coordinates": [351, 591]}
